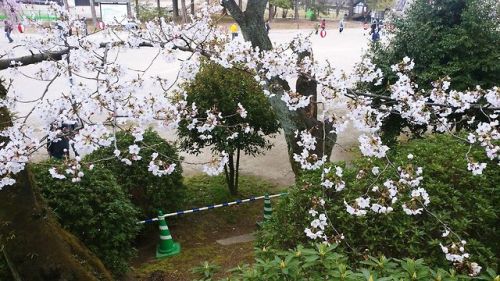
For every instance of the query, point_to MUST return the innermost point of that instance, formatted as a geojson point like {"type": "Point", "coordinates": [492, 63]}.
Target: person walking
{"type": "Point", "coordinates": [267, 27]}
{"type": "Point", "coordinates": [374, 32]}
{"type": "Point", "coordinates": [58, 148]}
{"type": "Point", "coordinates": [316, 28]}
{"type": "Point", "coordinates": [341, 25]}
{"type": "Point", "coordinates": [8, 30]}
{"type": "Point", "coordinates": [234, 30]}
{"type": "Point", "coordinates": [323, 24]}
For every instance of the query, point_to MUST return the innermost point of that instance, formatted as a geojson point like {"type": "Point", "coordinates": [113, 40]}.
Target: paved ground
{"type": "Point", "coordinates": [343, 50]}
{"type": "Point", "coordinates": [236, 239]}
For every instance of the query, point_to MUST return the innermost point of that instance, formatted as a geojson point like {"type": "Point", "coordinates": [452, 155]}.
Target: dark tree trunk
{"type": "Point", "coordinates": [129, 10]}
{"type": "Point", "coordinates": [184, 11]}
{"type": "Point", "coordinates": [93, 12]}
{"type": "Point", "coordinates": [296, 9]}
{"type": "Point", "coordinates": [252, 26]}
{"type": "Point", "coordinates": [192, 7]}
{"type": "Point", "coordinates": [237, 176]}
{"type": "Point", "coordinates": [284, 13]}
{"type": "Point", "coordinates": [231, 174]}
{"type": "Point", "coordinates": [340, 4]}
{"type": "Point", "coordinates": [158, 6]}
{"type": "Point", "coordinates": [137, 13]}
{"type": "Point", "coordinates": [34, 244]}
{"type": "Point", "coordinates": [351, 9]}
{"type": "Point", "coordinates": [175, 8]}
{"type": "Point", "coordinates": [251, 21]}
{"type": "Point", "coordinates": [240, 4]}
{"type": "Point", "coordinates": [271, 12]}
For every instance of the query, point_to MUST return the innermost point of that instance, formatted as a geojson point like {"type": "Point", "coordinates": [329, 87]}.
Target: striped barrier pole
{"type": "Point", "coordinates": [167, 247]}
{"type": "Point", "coordinates": [194, 210]}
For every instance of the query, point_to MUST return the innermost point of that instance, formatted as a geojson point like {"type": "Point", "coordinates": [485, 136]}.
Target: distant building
{"type": "Point", "coordinates": [360, 8]}
{"type": "Point", "coordinates": [82, 2]}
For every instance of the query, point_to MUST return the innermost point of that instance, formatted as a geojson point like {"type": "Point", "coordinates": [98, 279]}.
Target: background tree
{"type": "Point", "coordinates": [220, 90]}
{"type": "Point", "coordinates": [379, 5]}
{"type": "Point", "coordinates": [252, 26]}
{"type": "Point", "coordinates": [175, 8]}
{"type": "Point", "coordinates": [339, 4]}
{"type": "Point", "coordinates": [296, 9]}
{"type": "Point", "coordinates": [283, 4]}
{"type": "Point", "coordinates": [454, 38]}
{"type": "Point", "coordinates": [184, 11]}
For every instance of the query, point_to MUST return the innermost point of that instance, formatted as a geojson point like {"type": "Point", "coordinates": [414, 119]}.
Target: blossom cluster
{"type": "Point", "coordinates": [105, 95]}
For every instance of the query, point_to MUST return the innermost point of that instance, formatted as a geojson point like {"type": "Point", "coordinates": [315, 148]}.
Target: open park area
{"type": "Point", "coordinates": [360, 141]}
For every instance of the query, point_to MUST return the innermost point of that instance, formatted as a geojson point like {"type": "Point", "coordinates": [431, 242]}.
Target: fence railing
{"type": "Point", "coordinates": [194, 210]}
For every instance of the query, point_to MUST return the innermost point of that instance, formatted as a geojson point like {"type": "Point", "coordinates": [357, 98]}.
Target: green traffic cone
{"type": "Point", "coordinates": [268, 209]}
{"type": "Point", "coordinates": [167, 246]}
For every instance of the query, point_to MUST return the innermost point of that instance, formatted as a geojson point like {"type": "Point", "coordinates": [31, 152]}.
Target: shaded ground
{"type": "Point", "coordinates": [197, 233]}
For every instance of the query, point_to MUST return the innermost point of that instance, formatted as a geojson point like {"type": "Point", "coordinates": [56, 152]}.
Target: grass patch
{"type": "Point", "coordinates": [204, 190]}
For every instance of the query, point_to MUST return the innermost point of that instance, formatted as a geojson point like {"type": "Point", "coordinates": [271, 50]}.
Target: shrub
{"type": "Point", "coordinates": [454, 38]}
{"type": "Point", "coordinates": [96, 210]}
{"type": "Point", "coordinates": [466, 203]}
{"type": "Point", "coordinates": [323, 262]}
{"type": "Point", "coordinates": [147, 191]}
{"type": "Point", "coordinates": [219, 90]}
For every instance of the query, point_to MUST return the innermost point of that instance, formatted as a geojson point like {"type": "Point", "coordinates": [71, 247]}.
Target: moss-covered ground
{"type": "Point", "coordinates": [197, 233]}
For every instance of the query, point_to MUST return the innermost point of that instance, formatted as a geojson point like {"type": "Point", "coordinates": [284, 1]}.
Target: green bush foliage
{"type": "Point", "coordinates": [219, 89]}
{"type": "Point", "coordinates": [454, 38]}
{"type": "Point", "coordinates": [147, 191]}
{"type": "Point", "coordinates": [96, 210]}
{"type": "Point", "coordinates": [468, 204]}
{"type": "Point", "coordinates": [323, 262]}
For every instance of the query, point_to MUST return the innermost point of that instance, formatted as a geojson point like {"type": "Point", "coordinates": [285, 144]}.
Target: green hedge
{"type": "Point", "coordinates": [467, 203]}
{"type": "Point", "coordinates": [322, 262]}
{"type": "Point", "coordinates": [147, 191]}
{"type": "Point", "coordinates": [96, 210]}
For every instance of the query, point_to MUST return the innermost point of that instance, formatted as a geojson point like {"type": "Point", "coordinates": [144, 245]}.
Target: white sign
{"type": "Point", "coordinates": [114, 14]}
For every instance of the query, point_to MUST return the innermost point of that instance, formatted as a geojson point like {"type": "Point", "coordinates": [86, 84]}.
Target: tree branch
{"type": "Point", "coordinates": [54, 56]}
{"type": "Point", "coordinates": [234, 10]}
{"type": "Point", "coordinates": [34, 58]}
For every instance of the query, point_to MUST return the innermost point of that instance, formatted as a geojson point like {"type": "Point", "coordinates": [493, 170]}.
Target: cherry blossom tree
{"type": "Point", "coordinates": [105, 96]}
{"type": "Point", "coordinates": [11, 9]}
